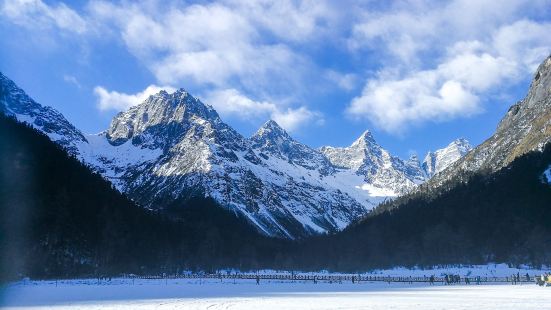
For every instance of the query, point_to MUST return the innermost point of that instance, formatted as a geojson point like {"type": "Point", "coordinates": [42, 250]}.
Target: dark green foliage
{"type": "Point", "coordinates": [499, 217]}
{"type": "Point", "coordinates": [59, 219]}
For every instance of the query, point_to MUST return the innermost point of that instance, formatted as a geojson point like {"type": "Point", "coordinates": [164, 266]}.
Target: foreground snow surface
{"type": "Point", "coordinates": [245, 294]}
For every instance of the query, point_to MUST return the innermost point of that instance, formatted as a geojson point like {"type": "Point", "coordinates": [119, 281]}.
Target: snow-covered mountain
{"type": "Point", "coordinates": [439, 160]}
{"type": "Point", "coordinates": [173, 146]}
{"type": "Point", "coordinates": [14, 102]}
{"type": "Point", "coordinates": [378, 168]}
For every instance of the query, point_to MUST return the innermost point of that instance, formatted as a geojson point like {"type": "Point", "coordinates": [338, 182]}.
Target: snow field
{"type": "Point", "coordinates": [185, 293]}
{"type": "Point", "coordinates": [245, 294]}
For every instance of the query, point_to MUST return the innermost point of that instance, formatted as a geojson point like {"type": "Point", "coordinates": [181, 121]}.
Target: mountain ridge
{"type": "Point", "coordinates": [525, 127]}
{"type": "Point", "coordinates": [173, 146]}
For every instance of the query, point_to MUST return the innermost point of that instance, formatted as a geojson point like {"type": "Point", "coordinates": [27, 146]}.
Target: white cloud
{"type": "Point", "coordinates": [113, 100]}
{"type": "Point", "coordinates": [292, 119]}
{"type": "Point", "coordinates": [229, 45]}
{"type": "Point", "coordinates": [346, 81]}
{"type": "Point", "coordinates": [231, 103]}
{"type": "Point", "coordinates": [72, 80]}
{"type": "Point", "coordinates": [394, 104]}
{"type": "Point", "coordinates": [444, 60]}
{"type": "Point", "coordinates": [225, 45]}
{"type": "Point", "coordinates": [277, 49]}
{"type": "Point", "coordinates": [524, 41]}
{"type": "Point", "coordinates": [37, 14]}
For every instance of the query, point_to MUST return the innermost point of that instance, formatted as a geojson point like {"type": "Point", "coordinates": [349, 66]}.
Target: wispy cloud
{"type": "Point", "coordinates": [38, 15]}
{"type": "Point", "coordinates": [72, 80]}
{"type": "Point", "coordinates": [231, 103]}
{"type": "Point", "coordinates": [113, 100]}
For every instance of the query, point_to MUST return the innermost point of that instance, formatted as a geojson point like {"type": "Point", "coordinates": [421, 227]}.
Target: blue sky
{"type": "Point", "coordinates": [418, 74]}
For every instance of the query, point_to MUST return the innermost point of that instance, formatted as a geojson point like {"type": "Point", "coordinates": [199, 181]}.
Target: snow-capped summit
{"type": "Point", "coordinates": [439, 160]}
{"type": "Point", "coordinates": [172, 147]}
{"type": "Point", "coordinates": [375, 164]}
{"type": "Point", "coordinates": [273, 140]}
{"type": "Point", "coordinates": [16, 103]}
{"type": "Point", "coordinates": [188, 150]}
{"type": "Point", "coordinates": [271, 129]}
{"type": "Point", "coordinates": [161, 119]}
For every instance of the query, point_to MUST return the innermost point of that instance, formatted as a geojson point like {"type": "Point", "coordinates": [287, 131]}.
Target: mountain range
{"type": "Point", "coordinates": [174, 147]}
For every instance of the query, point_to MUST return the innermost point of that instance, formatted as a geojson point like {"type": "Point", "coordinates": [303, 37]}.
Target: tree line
{"type": "Point", "coordinates": [59, 219]}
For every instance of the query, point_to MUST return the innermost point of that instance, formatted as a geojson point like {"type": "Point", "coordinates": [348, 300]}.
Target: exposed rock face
{"type": "Point", "coordinates": [525, 127]}
{"type": "Point", "coordinates": [439, 160]}
{"type": "Point", "coordinates": [14, 102]}
{"type": "Point", "coordinates": [173, 146]}
{"type": "Point", "coordinates": [376, 165]}
{"type": "Point", "coordinates": [272, 140]}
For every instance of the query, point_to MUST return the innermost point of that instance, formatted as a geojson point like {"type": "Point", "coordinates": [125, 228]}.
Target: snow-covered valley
{"type": "Point", "coordinates": [246, 294]}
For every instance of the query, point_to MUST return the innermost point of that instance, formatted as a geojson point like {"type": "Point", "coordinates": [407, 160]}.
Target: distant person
{"type": "Point", "coordinates": [257, 280]}
{"type": "Point", "coordinates": [431, 280]}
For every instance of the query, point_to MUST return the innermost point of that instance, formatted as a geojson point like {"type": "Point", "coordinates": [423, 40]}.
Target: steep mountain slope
{"type": "Point", "coordinates": [500, 217]}
{"type": "Point", "coordinates": [525, 127]}
{"type": "Point", "coordinates": [14, 102]}
{"type": "Point", "coordinates": [387, 174]}
{"type": "Point", "coordinates": [439, 160]}
{"type": "Point", "coordinates": [172, 147]}
{"type": "Point", "coordinates": [270, 178]}
{"type": "Point", "coordinates": [59, 219]}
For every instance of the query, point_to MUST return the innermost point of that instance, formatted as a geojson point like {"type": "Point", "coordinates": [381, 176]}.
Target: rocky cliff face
{"type": "Point", "coordinates": [15, 103]}
{"type": "Point", "coordinates": [439, 160]}
{"type": "Point", "coordinates": [525, 127]}
{"type": "Point", "coordinates": [375, 165]}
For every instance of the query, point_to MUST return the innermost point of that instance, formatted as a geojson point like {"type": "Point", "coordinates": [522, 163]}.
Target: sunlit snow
{"type": "Point", "coordinates": [245, 294]}
{"type": "Point", "coordinates": [547, 174]}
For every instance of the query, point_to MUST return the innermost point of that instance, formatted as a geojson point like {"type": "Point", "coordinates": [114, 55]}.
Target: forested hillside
{"type": "Point", "coordinates": [59, 219]}
{"type": "Point", "coordinates": [498, 217]}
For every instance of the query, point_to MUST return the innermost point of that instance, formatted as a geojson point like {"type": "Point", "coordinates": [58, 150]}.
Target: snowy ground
{"type": "Point", "coordinates": [245, 294]}
{"type": "Point", "coordinates": [184, 294]}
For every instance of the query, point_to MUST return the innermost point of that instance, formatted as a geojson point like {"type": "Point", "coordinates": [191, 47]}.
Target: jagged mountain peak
{"type": "Point", "coordinates": [271, 129]}
{"type": "Point", "coordinates": [413, 159]}
{"type": "Point", "coordinates": [540, 86]}
{"type": "Point", "coordinates": [174, 102]}
{"type": "Point", "coordinates": [364, 140]}
{"type": "Point", "coordinates": [272, 139]}
{"type": "Point", "coordinates": [441, 159]}
{"type": "Point", "coordinates": [355, 155]}
{"type": "Point", "coordinates": [162, 116]}
{"type": "Point", "coordinates": [536, 99]}
{"type": "Point", "coordinates": [462, 144]}
{"type": "Point", "coordinates": [525, 127]}
{"type": "Point", "coordinates": [15, 103]}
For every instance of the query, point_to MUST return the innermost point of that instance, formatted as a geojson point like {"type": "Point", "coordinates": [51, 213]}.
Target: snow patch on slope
{"type": "Point", "coordinates": [547, 176]}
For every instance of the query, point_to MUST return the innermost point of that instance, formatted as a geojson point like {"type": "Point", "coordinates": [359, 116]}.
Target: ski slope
{"type": "Point", "coordinates": [245, 294]}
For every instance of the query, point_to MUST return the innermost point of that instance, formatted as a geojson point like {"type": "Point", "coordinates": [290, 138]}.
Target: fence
{"type": "Point", "coordinates": [339, 278]}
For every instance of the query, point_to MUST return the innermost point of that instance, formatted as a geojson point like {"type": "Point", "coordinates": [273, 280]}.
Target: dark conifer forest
{"type": "Point", "coordinates": [58, 219]}
{"type": "Point", "coordinates": [499, 217]}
